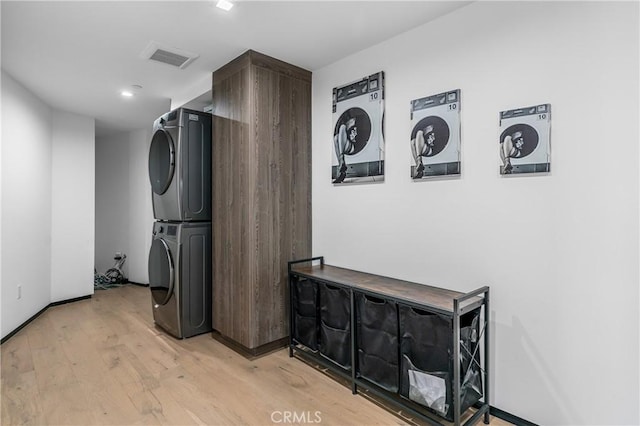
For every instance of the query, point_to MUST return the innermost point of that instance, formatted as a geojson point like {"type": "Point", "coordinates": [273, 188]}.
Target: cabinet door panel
{"type": "Point", "coordinates": [261, 193]}
{"type": "Point", "coordinates": [282, 191]}
{"type": "Point", "coordinates": [233, 304]}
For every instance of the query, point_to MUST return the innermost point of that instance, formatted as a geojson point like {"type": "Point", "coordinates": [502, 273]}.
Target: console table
{"type": "Point", "coordinates": [423, 348]}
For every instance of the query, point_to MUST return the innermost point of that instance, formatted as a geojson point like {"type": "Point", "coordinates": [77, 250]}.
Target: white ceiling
{"type": "Point", "coordinates": [78, 55]}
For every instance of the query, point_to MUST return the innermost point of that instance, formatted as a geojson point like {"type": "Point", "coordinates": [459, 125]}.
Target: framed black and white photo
{"type": "Point", "coordinates": [358, 139]}
{"type": "Point", "coordinates": [525, 140]}
{"type": "Point", "coordinates": [435, 135]}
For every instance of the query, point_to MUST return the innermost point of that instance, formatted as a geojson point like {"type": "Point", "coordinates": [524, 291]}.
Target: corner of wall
{"type": "Point", "coordinates": [73, 184]}
{"type": "Point", "coordinates": [26, 204]}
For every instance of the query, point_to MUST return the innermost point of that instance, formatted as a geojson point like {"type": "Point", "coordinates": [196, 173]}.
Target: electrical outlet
{"type": "Point", "coordinates": [19, 291]}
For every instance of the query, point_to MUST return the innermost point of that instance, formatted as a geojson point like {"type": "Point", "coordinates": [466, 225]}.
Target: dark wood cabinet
{"type": "Point", "coordinates": [261, 195]}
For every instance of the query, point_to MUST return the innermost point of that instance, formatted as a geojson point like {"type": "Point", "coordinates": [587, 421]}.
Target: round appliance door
{"type": "Point", "coordinates": [161, 161]}
{"type": "Point", "coordinates": [161, 272]}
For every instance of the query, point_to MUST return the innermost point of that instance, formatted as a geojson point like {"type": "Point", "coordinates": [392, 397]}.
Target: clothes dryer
{"type": "Point", "coordinates": [358, 140]}
{"type": "Point", "coordinates": [180, 166]}
{"type": "Point", "coordinates": [180, 277]}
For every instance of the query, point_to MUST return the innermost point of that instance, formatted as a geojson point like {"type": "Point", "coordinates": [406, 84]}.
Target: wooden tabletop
{"type": "Point", "coordinates": [421, 294]}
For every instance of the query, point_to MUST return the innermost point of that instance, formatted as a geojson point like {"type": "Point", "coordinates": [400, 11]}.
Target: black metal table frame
{"type": "Point", "coordinates": [393, 397]}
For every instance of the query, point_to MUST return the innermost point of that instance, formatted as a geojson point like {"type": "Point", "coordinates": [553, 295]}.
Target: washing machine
{"type": "Point", "coordinates": [435, 135]}
{"type": "Point", "coordinates": [180, 277]}
{"type": "Point", "coordinates": [180, 166]}
{"type": "Point", "coordinates": [358, 139]}
{"type": "Point", "coordinates": [525, 140]}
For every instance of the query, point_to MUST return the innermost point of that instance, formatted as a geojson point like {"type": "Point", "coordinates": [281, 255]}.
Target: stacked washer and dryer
{"type": "Point", "coordinates": [180, 255]}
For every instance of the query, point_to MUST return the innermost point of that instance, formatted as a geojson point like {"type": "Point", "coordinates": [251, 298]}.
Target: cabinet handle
{"type": "Point", "coordinates": [374, 300]}
{"type": "Point", "coordinates": [420, 312]}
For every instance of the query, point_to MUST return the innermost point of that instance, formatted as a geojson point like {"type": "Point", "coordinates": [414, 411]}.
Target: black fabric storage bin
{"type": "Point", "coordinates": [378, 371]}
{"type": "Point", "coordinates": [377, 327]}
{"type": "Point", "coordinates": [427, 338]}
{"type": "Point", "coordinates": [335, 324]}
{"type": "Point", "coordinates": [427, 358]}
{"type": "Point", "coordinates": [305, 331]}
{"type": "Point", "coordinates": [335, 344]}
{"type": "Point", "coordinates": [377, 336]}
{"type": "Point", "coordinates": [335, 308]}
{"type": "Point", "coordinates": [305, 316]}
{"type": "Point", "coordinates": [305, 297]}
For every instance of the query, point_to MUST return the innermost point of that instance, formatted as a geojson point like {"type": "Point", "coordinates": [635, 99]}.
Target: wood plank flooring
{"type": "Point", "coordinates": [101, 361]}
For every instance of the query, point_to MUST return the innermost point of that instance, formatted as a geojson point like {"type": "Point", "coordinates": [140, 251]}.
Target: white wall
{"type": "Point", "coordinates": [112, 200]}
{"type": "Point", "coordinates": [560, 251]}
{"type": "Point", "coordinates": [26, 203]}
{"type": "Point", "coordinates": [193, 91]}
{"type": "Point", "coordinates": [124, 215]}
{"type": "Point", "coordinates": [140, 207]}
{"type": "Point", "coordinates": [73, 206]}
{"type": "Point", "coordinates": [47, 204]}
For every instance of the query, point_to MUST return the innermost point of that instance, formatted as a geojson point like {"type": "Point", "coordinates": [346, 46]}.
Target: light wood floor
{"type": "Point", "coordinates": [102, 361]}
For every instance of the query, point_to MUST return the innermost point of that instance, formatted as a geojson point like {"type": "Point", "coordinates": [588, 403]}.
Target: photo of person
{"type": "Point", "coordinates": [358, 123]}
{"type": "Point", "coordinates": [435, 137]}
{"type": "Point", "coordinates": [524, 140]}
{"type": "Point", "coordinates": [513, 144]}
{"type": "Point", "coordinates": [420, 148]}
{"type": "Point", "coordinates": [351, 134]}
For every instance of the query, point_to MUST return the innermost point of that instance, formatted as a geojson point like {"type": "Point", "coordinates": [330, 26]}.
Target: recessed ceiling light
{"type": "Point", "coordinates": [225, 5]}
{"type": "Point", "coordinates": [126, 94]}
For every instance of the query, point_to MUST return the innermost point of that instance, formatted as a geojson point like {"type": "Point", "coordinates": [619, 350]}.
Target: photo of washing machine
{"type": "Point", "coordinates": [180, 277]}
{"type": "Point", "coordinates": [180, 166]}
{"type": "Point", "coordinates": [525, 140]}
{"type": "Point", "coordinates": [435, 135]}
{"type": "Point", "coordinates": [358, 139]}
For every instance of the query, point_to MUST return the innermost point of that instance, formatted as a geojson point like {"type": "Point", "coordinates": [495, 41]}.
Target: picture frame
{"type": "Point", "coordinates": [435, 135]}
{"type": "Point", "coordinates": [358, 131]}
{"type": "Point", "coordinates": [525, 140]}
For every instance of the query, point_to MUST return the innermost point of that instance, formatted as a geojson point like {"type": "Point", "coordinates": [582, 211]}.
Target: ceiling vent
{"type": "Point", "coordinates": [168, 55]}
